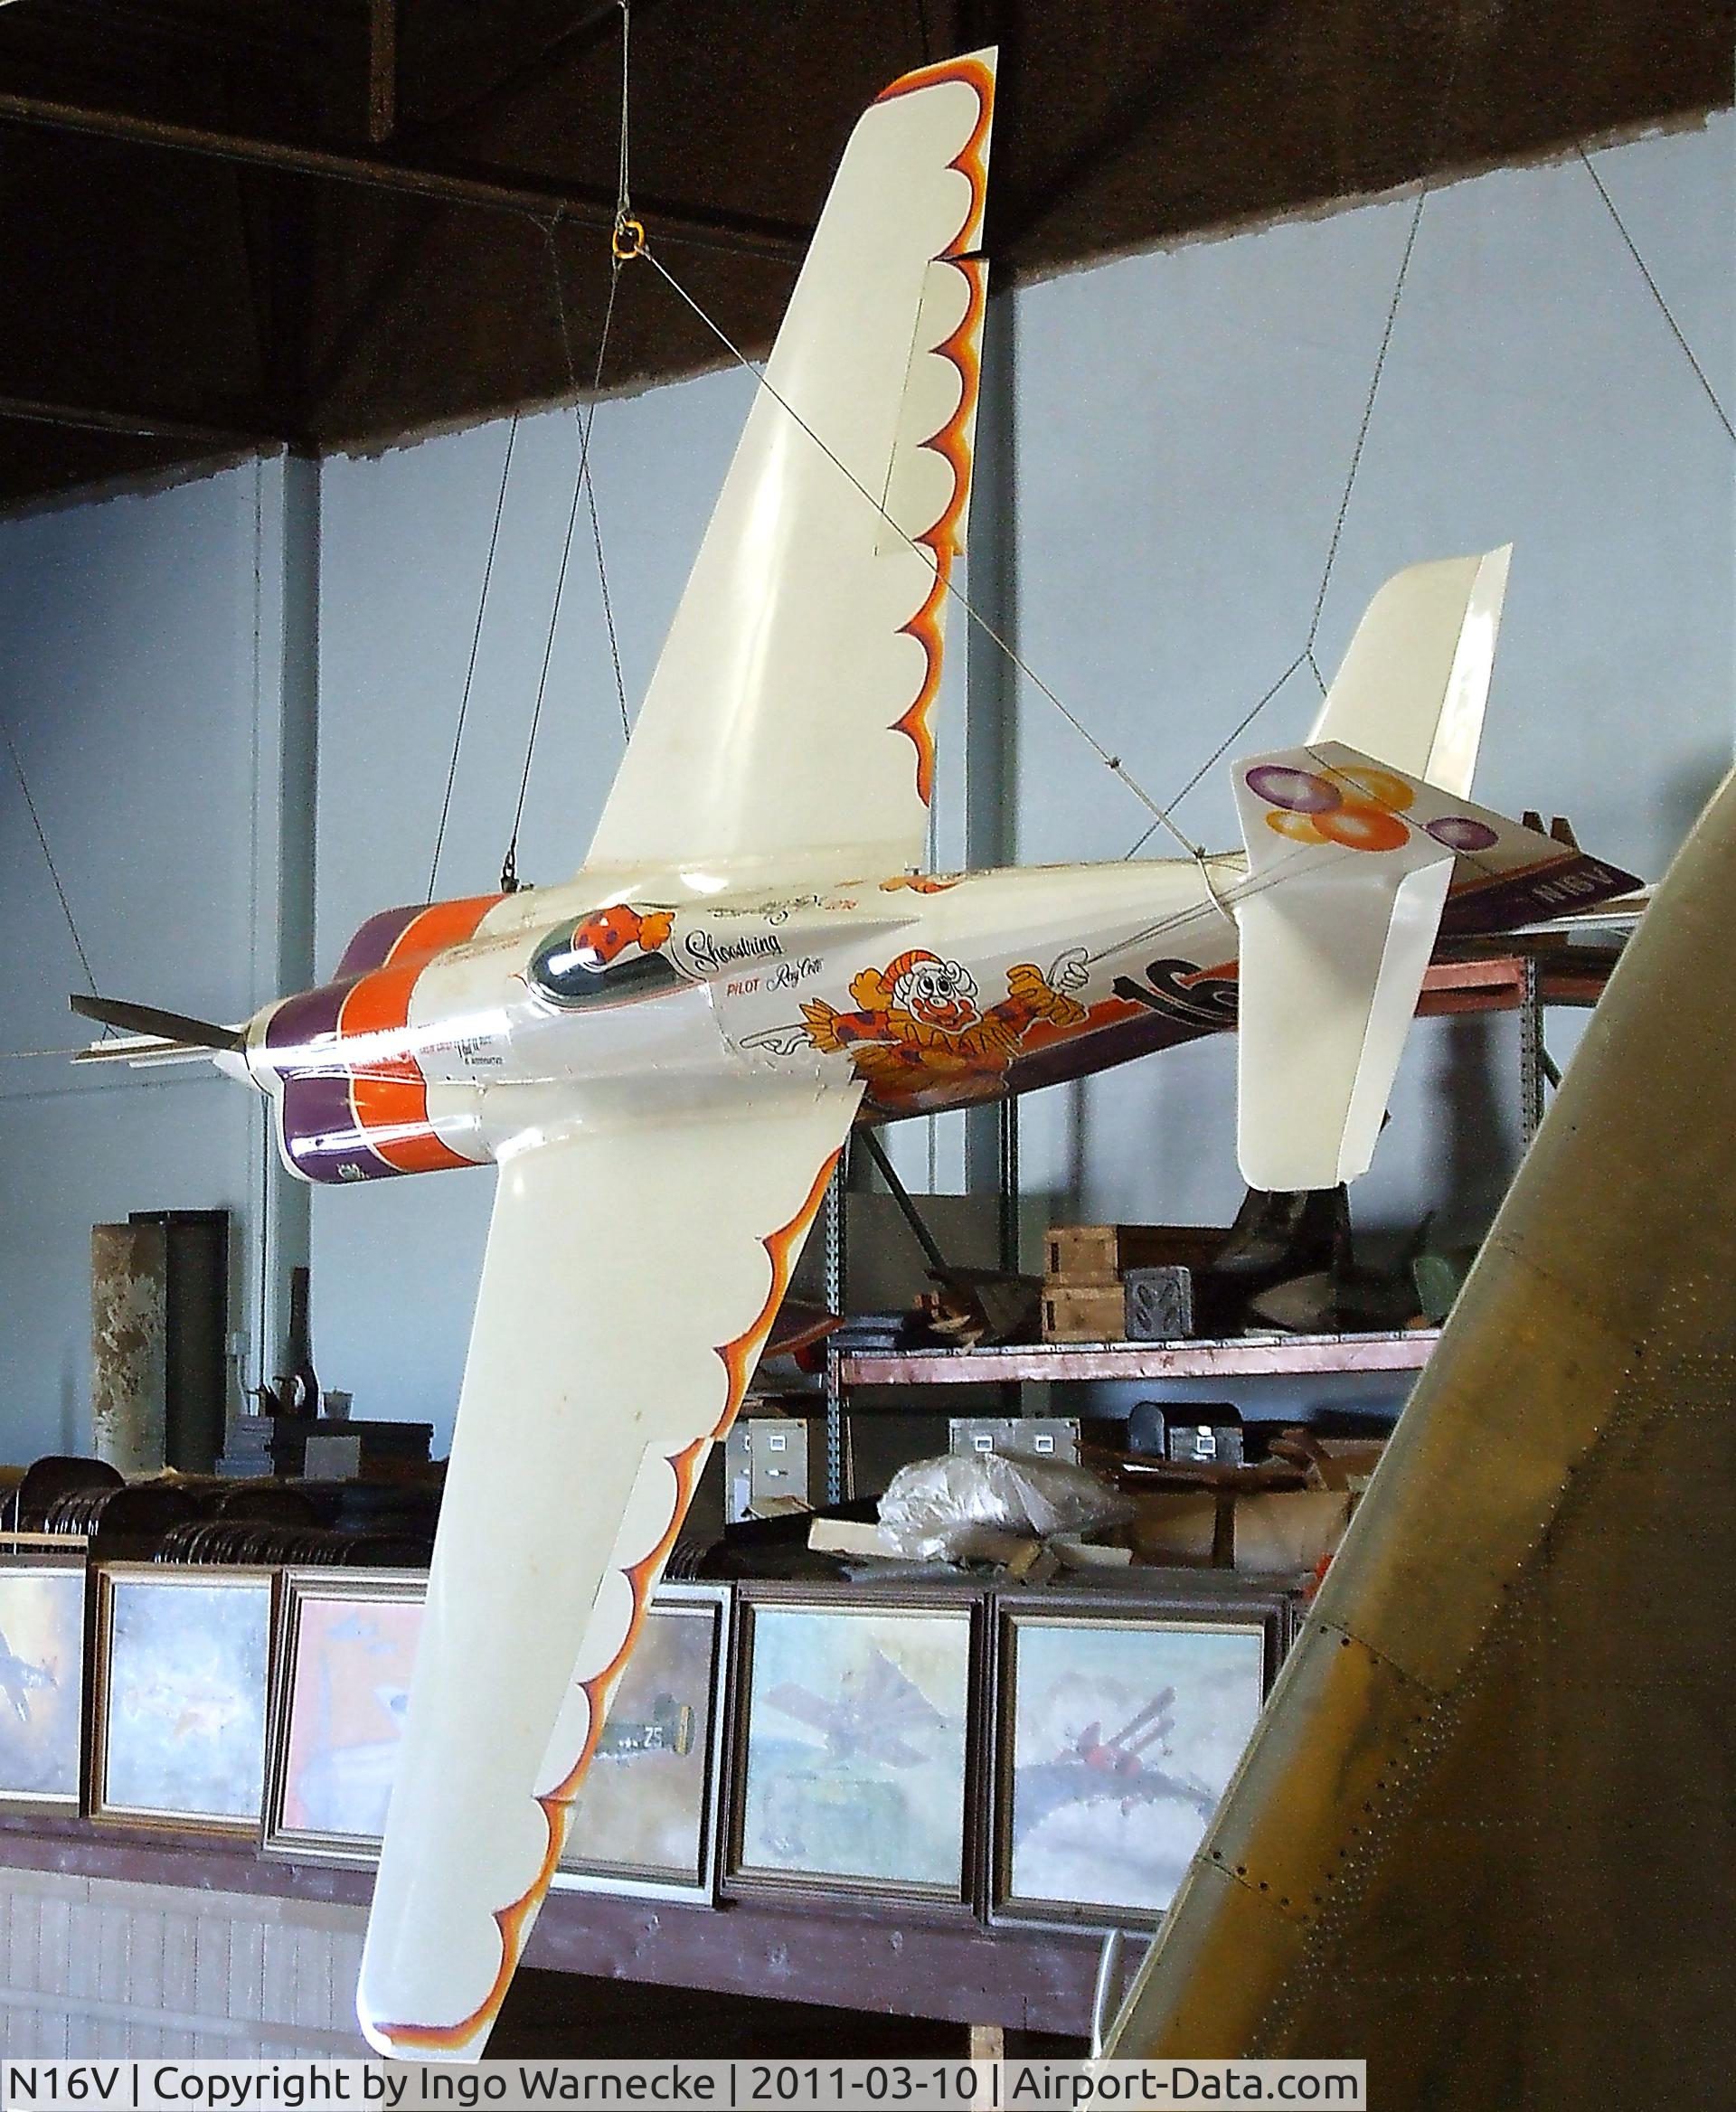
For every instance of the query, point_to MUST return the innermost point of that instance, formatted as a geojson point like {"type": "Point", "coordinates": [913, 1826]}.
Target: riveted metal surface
{"type": "Point", "coordinates": [1533, 1913]}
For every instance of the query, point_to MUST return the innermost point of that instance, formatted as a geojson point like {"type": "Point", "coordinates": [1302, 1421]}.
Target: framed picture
{"type": "Point", "coordinates": [346, 1641]}
{"type": "Point", "coordinates": [1119, 1723]}
{"type": "Point", "coordinates": [183, 1664]}
{"type": "Point", "coordinates": [855, 1758]}
{"type": "Point", "coordinates": [646, 1819]}
{"type": "Point", "coordinates": [41, 1681]}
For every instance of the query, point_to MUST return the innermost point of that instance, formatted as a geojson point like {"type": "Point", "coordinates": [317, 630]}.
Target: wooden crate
{"type": "Point", "coordinates": [1084, 1313]}
{"type": "Point", "coordinates": [1097, 1254]}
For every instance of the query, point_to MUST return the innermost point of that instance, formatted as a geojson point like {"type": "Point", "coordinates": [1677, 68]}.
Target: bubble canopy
{"type": "Point", "coordinates": [573, 975]}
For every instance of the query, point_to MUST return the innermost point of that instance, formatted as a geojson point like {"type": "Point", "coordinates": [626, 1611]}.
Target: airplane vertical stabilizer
{"type": "Point", "coordinates": [1411, 687]}
{"type": "Point", "coordinates": [1335, 936]}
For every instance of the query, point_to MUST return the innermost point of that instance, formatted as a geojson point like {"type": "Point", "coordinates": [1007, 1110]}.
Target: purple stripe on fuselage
{"type": "Point", "coordinates": [375, 939]}
{"type": "Point", "coordinates": [306, 1021]}
{"type": "Point", "coordinates": [315, 1116]}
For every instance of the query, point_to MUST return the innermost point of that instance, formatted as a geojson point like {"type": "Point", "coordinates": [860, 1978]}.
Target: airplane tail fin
{"type": "Point", "coordinates": [1350, 863]}
{"type": "Point", "coordinates": [1411, 687]}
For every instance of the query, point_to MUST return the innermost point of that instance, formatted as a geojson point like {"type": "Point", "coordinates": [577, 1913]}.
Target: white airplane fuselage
{"type": "Point", "coordinates": [456, 1033]}
{"type": "Point", "coordinates": [935, 991]}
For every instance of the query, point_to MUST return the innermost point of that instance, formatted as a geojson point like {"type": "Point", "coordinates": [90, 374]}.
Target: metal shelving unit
{"type": "Point", "coordinates": [1245, 1356]}
{"type": "Point", "coordinates": [1572, 972]}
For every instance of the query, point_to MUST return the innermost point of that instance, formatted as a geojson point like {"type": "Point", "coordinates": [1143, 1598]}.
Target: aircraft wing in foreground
{"type": "Point", "coordinates": [634, 1266]}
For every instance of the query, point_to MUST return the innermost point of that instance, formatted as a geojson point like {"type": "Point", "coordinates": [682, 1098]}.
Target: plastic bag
{"type": "Point", "coordinates": [971, 1506]}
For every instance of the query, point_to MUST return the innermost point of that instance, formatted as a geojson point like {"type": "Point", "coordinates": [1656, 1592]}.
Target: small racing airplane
{"type": "Point", "coordinates": [1090, 1768]}
{"type": "Point", "coordinates": [665, 1055]}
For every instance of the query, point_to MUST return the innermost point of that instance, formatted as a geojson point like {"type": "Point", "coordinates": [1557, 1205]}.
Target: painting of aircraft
{"type": "Point", "coordinates": [1090, 1769]}
{"type": "Point", "coordinates": [1119, 1735]}
{"type": "Point", "coordinates": [665, 1055]}
{"type": "Point", "coordinates": [646, 1813]}
{"type": "Point", "coordinates": [670, 1726]}
{"type": "Point", "coordinates": [854, 1762]}
{"type": "Point", "coordinates": [19, 1679]}
{"type": "Point", "coordinates": [42, 1682]}
{"type": "Point", "coordinates": [873, 1715]}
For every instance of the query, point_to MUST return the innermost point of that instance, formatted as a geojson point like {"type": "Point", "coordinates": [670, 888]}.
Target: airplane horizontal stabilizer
{"type": "Point", "coordinates": [150, 1021]}
{"type": "Point", "coordinates": [1350, 863]}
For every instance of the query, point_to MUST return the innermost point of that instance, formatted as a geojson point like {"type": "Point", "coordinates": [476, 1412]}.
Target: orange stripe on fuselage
{"type": "Point", "coordinates": [440, 925]}
{"type": "Point", "coordinates": [390, 1095]}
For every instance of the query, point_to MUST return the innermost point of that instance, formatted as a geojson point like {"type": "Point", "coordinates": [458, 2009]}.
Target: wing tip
{"type": "Point", "coordinates": [975, 68]}
{"type": "Point", "coordinates": [397, 2041]}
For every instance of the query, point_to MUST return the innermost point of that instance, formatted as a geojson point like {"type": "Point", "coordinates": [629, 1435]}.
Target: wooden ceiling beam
{"type": "Point", "coordinates": [141, 425]}
{"type": "Point", "coordinates": [488, 190]}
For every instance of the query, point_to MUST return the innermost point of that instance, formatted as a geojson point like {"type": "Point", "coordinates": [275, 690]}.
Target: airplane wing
{"type": "Point", "coordinates": [633, 1268]}
{"type": "Point", "coordinates": [788, 717]}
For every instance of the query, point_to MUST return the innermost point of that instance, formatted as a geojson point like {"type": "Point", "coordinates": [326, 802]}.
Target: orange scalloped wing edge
{"type": "Point", "coordinates": [964, 349]}
{"type": "Point", "coordinates": [739, 1357]}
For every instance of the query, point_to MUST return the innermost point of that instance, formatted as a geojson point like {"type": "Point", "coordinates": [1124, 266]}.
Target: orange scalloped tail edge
{"type": "Point", "coordinates": [738, 1358]}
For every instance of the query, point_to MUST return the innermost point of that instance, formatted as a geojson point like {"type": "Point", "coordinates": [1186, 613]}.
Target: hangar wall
{"type": "Point", "coordinates": [156, 675]}
{"type": "Point", "coordinates": [1185, 425]}
{"type": "Point", "coordinates": [1181, 427]}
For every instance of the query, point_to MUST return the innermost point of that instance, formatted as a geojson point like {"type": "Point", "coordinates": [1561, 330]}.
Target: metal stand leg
{"type": "Point", "coordinates": [835, 1296]}
{"type": "Point", "coordinates": [1533, 1060]}
{"type": "Point", "coordinates": [1009, 1199]}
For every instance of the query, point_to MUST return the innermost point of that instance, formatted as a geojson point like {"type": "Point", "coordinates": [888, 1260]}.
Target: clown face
{"type": "Point", "coordinates": [940, 993]}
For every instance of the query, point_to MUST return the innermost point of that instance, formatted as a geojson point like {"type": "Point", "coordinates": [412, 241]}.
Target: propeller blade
{"type": "Point", "coordinates": [147, 1019]}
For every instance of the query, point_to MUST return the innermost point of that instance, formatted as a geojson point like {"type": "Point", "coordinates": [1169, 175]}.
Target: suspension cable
{"type": "Point", "coordinates": [475, 641]}
{"type": "Point", "coordinates": [1113, 763]}
{"type": "Point", "coordinates": [625, 242]}
{"type": "Point", "coordinates": [1664, 307]}
{"type": "Point", "coordinates": [509, 868]}
{"type": "Point", "coordinates": [48, 859]}
{"type": "Point", "coordinates": [1305, 657]}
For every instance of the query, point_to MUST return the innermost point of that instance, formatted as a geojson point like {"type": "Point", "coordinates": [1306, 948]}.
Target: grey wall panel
{"type": "Point", "coordinates": [1186, 421]}
{"type": "Point", "coordinates": [142, 677]}
{"type": "Point", "coordinates": [1182, 424]}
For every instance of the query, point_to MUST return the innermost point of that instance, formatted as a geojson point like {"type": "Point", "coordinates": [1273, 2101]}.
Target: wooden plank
{"type": "Point", "coordinates": [1276, 1357]}
{"type": "Point", "coordinates": [956, 1971]}
{"type": "Point", "coordinates": [898, 1964]}
{"type": "Point", "coordinates": [1568, 974]}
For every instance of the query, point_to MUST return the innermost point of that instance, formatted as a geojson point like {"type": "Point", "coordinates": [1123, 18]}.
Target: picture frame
{"type": "Point", "coordinates": [646, 1822]}
{"type": "Point", "coordinates": [1119, 1718]}
{"type": "Point", "coordinates": [856, 1746]}
{"type": "Point", "coordinates": [180, 1686]}
{"type": "Point", "coordinates": [44, 1639]}
{"type": "Point", "coordinates": [347, 1643]}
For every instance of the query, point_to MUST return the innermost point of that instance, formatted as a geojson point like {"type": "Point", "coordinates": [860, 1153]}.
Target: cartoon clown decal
{"type": "Point", "coordinates": [920, 1018]}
